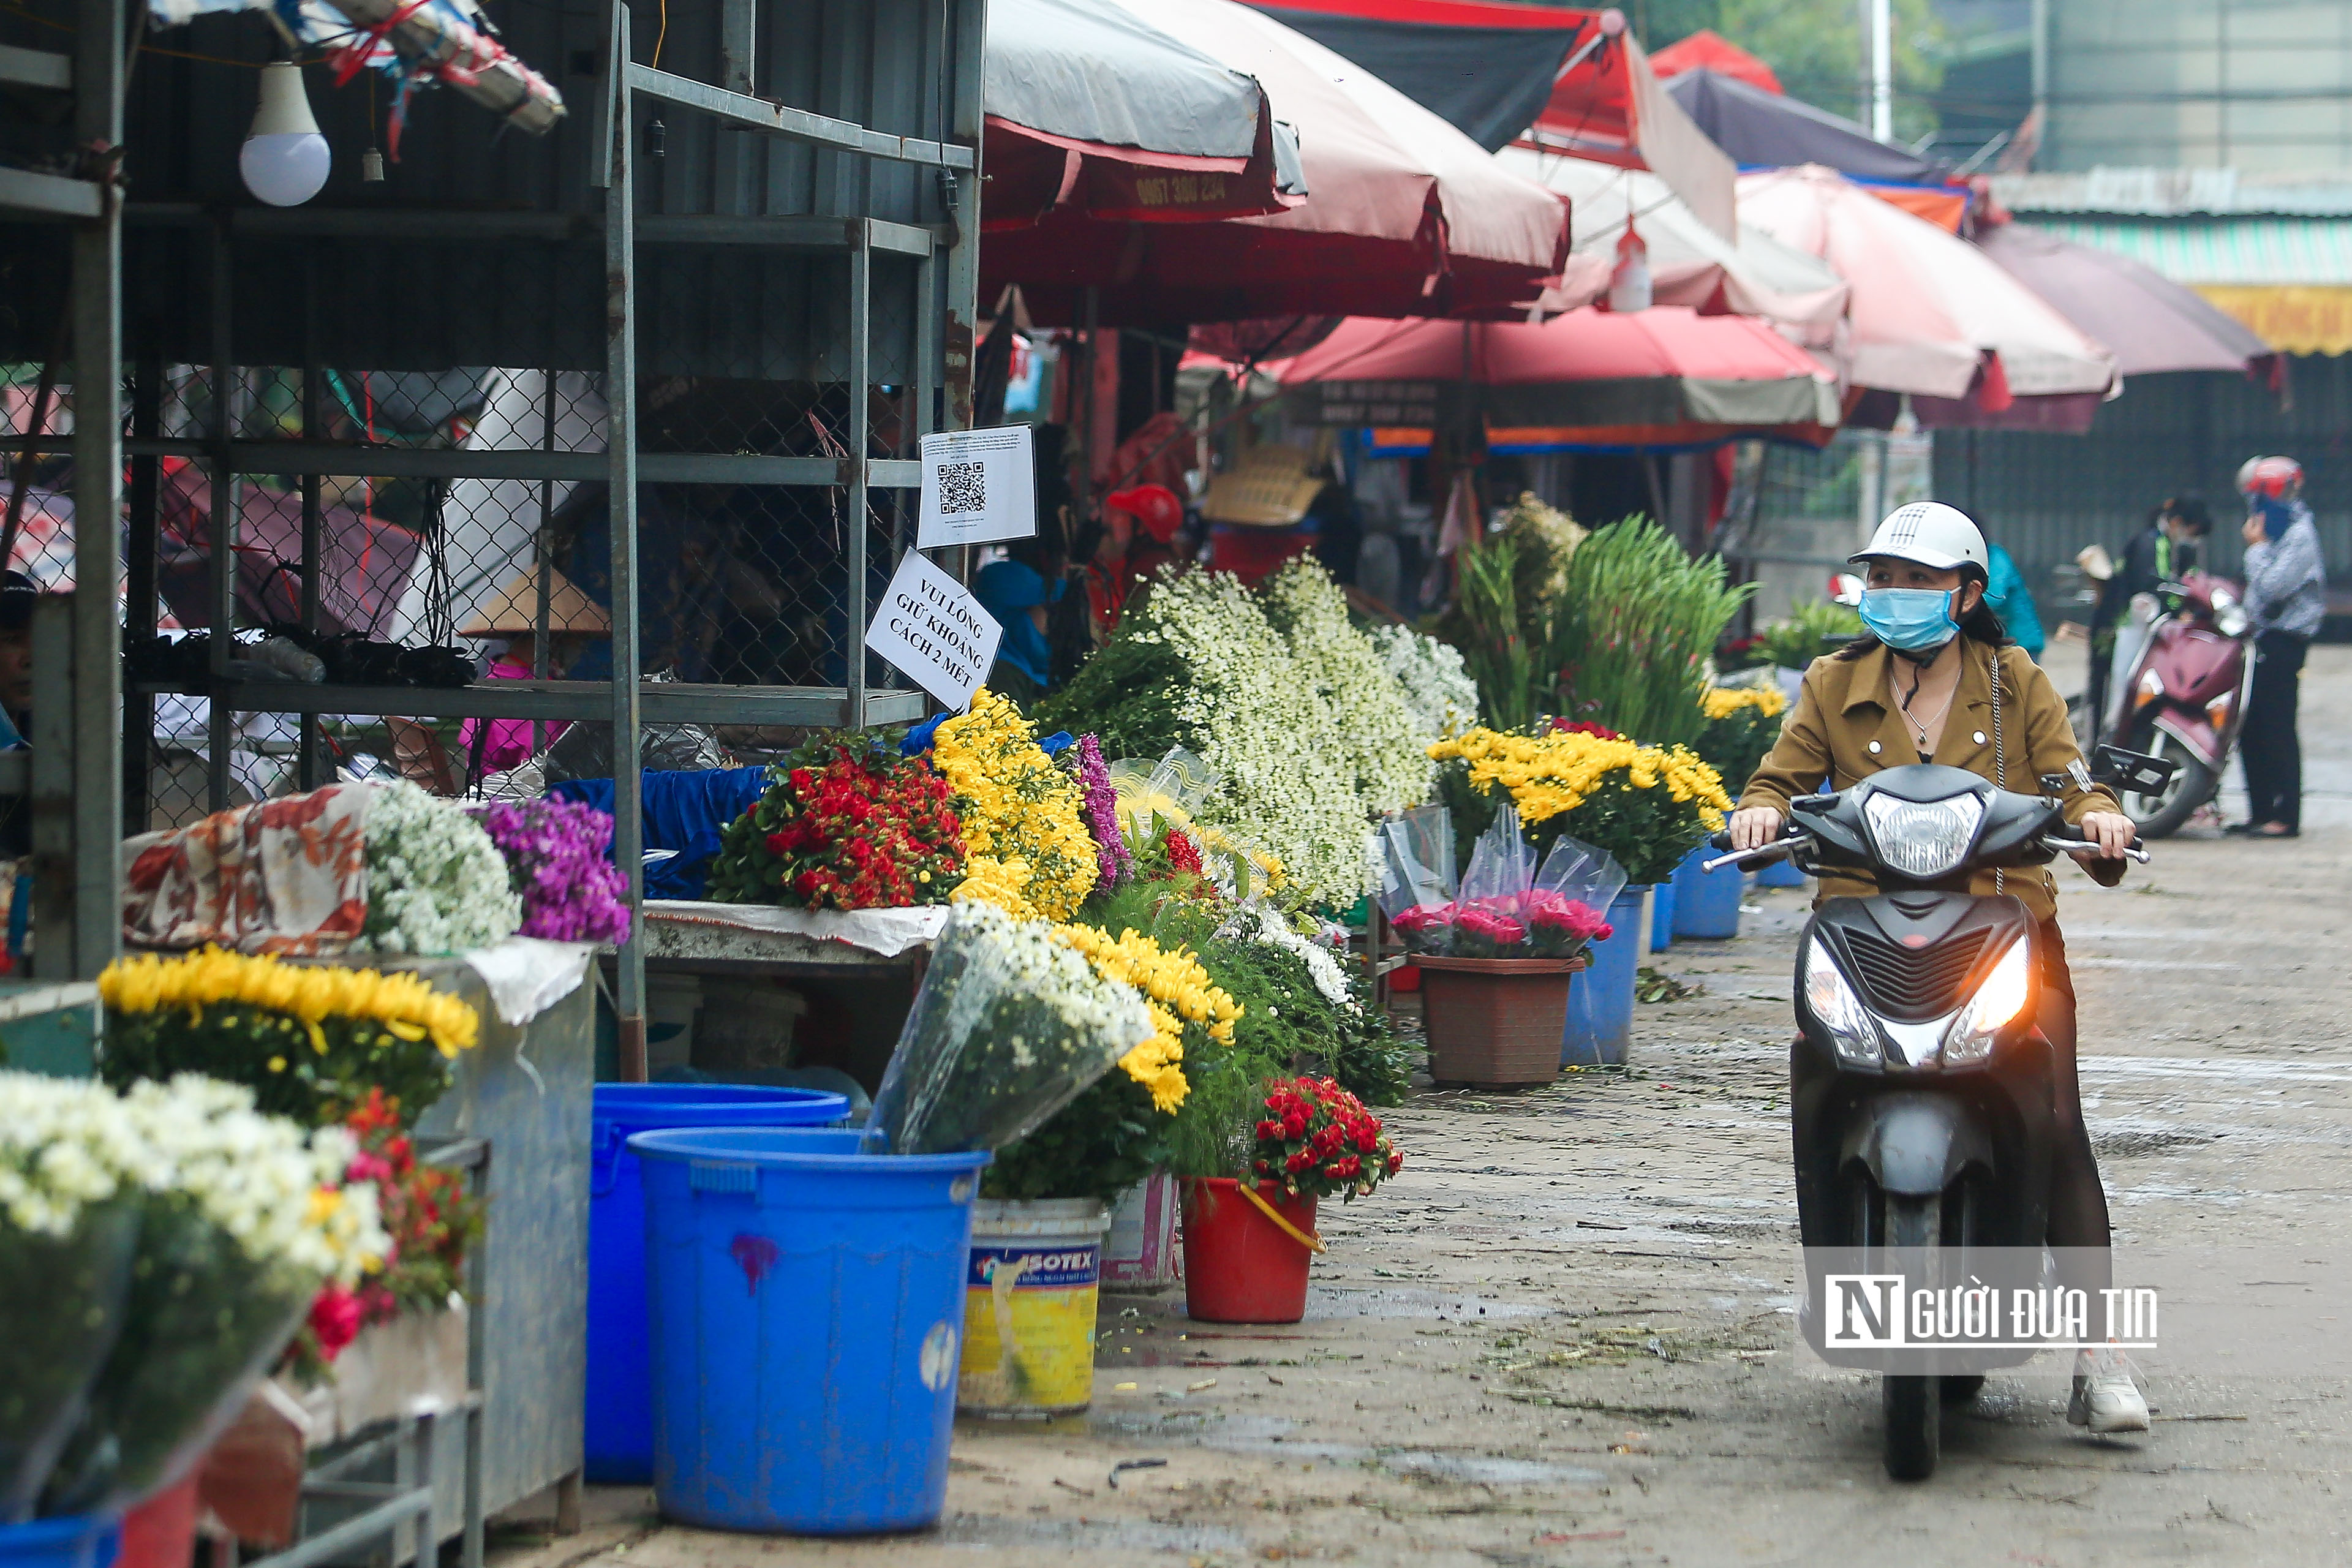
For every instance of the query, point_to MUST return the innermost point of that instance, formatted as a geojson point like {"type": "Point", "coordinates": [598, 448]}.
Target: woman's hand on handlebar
{"type": "Point", "coordinates": [2113, 831]}
{"type": "Point", "coordinates": [1754, 827]}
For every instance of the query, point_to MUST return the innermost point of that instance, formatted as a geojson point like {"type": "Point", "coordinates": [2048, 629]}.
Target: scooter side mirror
{"type": "Point", "coordinates": [2135, 771]}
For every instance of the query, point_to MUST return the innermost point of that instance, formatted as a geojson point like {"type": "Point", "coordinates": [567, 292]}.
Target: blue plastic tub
{"type": "Point", "coordinates": [1707, 903]}
{"type": "Point", "coordinates": [1601, 1003]}
{"type": "Point", "coordinates": [1662, 917]}
{"type": "Point", "coordinates": [618, 1436]}
{"type": "Point", "coordinates": [805, 1307]}
{"type": "Point", "coordinates": [79, 1541]}
{"type": "Point", "coordinates": [1781, 874]}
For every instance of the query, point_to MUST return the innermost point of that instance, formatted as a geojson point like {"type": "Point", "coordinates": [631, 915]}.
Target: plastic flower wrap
{"type": "Point", "coordinates": [1018, 804]}
{"type": "Point", "coordinates": [1010, 1025]}
{"type": "Point", "coordinates": [177, 1237]}
{"type": "Point", "coordinates": [1316, 1140]}
{"type": "Point", "coordinates": [1416, 880]}
{"type": "Point", "coordinates": [1566, 908]}
{"type": "Point", "coordinates": [559, 856]}
{"type": "Point", "coordinates": [1160, 807]}
{"type": "Point", "coordinates": [309, 1041]}
{"type": "Point", "coordinates": [435, 882]}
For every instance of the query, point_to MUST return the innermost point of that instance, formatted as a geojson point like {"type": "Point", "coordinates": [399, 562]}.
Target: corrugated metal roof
{"type": "Point", "coordinates": [2266, 250]}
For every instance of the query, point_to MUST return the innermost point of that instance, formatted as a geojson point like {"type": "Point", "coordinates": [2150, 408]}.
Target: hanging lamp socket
{"type": "Point", "coordinates": [371, 167]}
{"type": "Point", "coordinates": [657, 137]}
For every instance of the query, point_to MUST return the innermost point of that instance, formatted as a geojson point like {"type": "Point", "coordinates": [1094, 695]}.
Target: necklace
{"type": "Point", "coordinates": [1918, 727]}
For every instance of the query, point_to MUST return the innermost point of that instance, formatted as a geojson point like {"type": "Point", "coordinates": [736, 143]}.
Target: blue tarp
{"type": "Point", "coordinates": [684, 811]}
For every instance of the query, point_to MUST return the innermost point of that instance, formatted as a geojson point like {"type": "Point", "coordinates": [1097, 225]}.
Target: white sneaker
{"type": "Point", "coordinates": [2105, 1398]}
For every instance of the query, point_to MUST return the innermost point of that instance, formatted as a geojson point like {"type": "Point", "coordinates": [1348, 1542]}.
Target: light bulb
{"type": "Point", "coordinates": [284, 160]}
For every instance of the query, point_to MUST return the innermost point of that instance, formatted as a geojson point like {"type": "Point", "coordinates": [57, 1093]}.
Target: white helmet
{"type": "Point", "coordinates": [1931, 534]}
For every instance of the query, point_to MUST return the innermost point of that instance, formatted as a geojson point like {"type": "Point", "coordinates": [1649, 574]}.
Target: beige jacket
{"type": "Point", "coordinates": [1845, 727]}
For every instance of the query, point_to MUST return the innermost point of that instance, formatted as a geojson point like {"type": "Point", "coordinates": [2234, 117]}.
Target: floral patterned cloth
{"type": "Point", "coordinates": [286, 876]}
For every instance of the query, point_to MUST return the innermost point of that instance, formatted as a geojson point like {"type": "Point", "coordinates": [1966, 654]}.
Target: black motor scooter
{"type": "Point", "coordinates": [1921, 1090]}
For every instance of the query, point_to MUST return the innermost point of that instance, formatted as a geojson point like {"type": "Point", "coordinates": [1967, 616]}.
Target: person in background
{"type": "Point", "coordinates": [2012, 601]}
{"type": "Point", "coordinates": [573, 620]}
{"type": "Point", "coordinates": [1016, 591]}
{"type": "Point", "coordinates": [1140, 528]}
{"type": "Point", "coordinates": [17, 593]}
{"type": "Point", "coordinates": [2164, 550]}
{"type": "Point", "coordinates": [2286, 599]}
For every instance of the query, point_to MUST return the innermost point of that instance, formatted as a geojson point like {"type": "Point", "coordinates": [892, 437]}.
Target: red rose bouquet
{"type": "Point", "coordinates": [1316, 1140]}
{"type": "Point", "coordinates": [847, 826]}
{"type": "Point", "coordinates": [1559, 926]}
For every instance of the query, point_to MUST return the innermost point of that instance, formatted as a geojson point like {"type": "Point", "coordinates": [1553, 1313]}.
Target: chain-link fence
{"type": "Point", "coordinates": [740, 584]}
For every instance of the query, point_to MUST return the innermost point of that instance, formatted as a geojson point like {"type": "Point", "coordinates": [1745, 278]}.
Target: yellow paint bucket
{"type": "Point", "coordinates": [1030, 1293]}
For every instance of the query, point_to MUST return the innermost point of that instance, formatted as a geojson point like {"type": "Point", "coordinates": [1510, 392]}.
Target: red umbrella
{"type": "Point", "coordinates": [2154, 324]}
{"type": "Point", "coordinates": [1708, 49]}
{"type": "Point", "coordinates": [1608, 106]}
{"type": "Point", "coordinates": [1665, 376]}
{"type": "Point", "coordinates": [1404, 215]}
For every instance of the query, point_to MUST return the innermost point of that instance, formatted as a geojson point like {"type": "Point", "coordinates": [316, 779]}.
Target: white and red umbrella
{"type": "Point", "coordinates": [1403, 214]}
{"type": "Point", "coordinates": [1932, 315]}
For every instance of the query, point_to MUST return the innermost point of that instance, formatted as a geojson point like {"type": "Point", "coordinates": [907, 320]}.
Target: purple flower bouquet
{"type": "Point", "coordinates": [559, 856]}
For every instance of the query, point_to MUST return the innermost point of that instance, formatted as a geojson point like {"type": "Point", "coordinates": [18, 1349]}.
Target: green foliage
{"type": "Point", "coordinates": [1815, 48]}
{"type": "Point", "coordinates": [1637, 622]}
{"type": "Point", "coordinates": [1511, 585]}
{"type": "Point", "coordinates": [315, 1082]}
{"type": "Point", "coordinates": [1812, 630]}
{"type": "Point", "coordinates": [1735, 744]}
{"type": "Point", "coordinates": [1130, 695]}
{"type": "Point", "coordinates": [1101, 1143]}
{"type": "Point", "coordinates": [1369, 1058]}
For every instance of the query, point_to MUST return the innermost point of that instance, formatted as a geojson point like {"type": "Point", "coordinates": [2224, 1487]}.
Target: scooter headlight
{"type": "Point", "coordinates": [1832, 1001]}
{"type": "Point", "coordinates": [2005, 993]}
{"type": "Point", "coordinates": [2229, 618]}
{"type": "Point", "coordinates": [1923, 839]}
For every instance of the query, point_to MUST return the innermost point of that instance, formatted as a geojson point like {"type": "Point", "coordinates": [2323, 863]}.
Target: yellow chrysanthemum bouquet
{"type": "Point", "coordinates": [311, 1041]}
{"type": "Point", "coordinates": [1646, 805]}
{"type": "Point", "coordinates": [1742, 722]}
{"type": "Point", "coordinates": [1025, 839]}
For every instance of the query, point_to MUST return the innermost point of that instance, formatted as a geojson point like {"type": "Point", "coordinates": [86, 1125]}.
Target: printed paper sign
{"type": "Point", "coordinates": [977, 485]}
{"type": "Point", "coordinates": [932, 629]}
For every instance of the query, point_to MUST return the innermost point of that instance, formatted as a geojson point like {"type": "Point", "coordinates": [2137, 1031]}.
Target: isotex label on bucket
{"type": "Point", "coordinates": [1029, 1327]}
{"type": "Point", "coordinates": [1037, 1268]}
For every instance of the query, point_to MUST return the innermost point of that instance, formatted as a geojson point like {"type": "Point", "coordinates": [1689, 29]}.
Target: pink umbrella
{"type": "Point", "coordinates": [1932, 315]}
{"type": "Point", "coordinates": [2155, 325]}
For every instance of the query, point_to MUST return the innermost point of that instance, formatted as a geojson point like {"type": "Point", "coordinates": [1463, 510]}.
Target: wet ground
{"type": "Point", "coordinates": [1563, 1335]}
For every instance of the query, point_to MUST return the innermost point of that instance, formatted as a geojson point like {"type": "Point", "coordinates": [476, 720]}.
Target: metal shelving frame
{"type": "Point", "coordinates": [940, 397]}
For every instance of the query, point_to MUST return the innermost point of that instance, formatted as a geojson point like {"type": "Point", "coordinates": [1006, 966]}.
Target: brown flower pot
{"type": "Point", "coordinates": [1495, 1023]}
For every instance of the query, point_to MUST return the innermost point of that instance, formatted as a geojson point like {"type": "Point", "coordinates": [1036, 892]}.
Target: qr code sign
{"type": "Point", "coordinates": [963, 487]}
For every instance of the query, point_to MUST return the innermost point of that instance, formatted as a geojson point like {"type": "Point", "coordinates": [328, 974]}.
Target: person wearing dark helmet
{"type": "Point", "coordinates": [2286, 599]}
{"type": "Point", "coordinates": [1928, 683]}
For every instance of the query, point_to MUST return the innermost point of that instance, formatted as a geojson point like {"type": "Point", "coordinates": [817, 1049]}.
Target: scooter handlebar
{"type": "Point", "coordinates": [1790, 837]}
{"type": "Point", "coordinates": [2135, 850]}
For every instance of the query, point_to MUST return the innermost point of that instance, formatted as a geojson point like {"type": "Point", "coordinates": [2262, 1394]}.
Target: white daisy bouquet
{"type": "Point", "coordinates": [435, 882]}
{"type": "Point", "coordinates": [156, 1252]}
{"type": "Point", "coordinates": [1437, 685]}
{"type": "Point", "coordinates": [1379, 737]}
{"type": "Point", "coordinates": [1010, 1026]}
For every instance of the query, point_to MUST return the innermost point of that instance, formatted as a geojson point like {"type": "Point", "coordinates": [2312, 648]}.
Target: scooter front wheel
{"type": "Point", "coordinates": [2161, 815]}
{"type": "Point", "coordinates": [1913, 1406]}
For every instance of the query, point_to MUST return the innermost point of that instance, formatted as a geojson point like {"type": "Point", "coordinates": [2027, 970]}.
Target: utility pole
{"type": "Point", "coordinates": [1882, 69]}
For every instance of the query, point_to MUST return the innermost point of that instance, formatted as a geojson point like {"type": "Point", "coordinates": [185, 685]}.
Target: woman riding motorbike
{"type": "Point", "coordinates": [1919, 688]}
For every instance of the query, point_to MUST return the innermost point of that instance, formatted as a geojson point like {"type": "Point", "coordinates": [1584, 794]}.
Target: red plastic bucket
{"type": "Point", "coordinates": [162, 1532]}
{"type": "Point", "coordinates": [1240, 1266]}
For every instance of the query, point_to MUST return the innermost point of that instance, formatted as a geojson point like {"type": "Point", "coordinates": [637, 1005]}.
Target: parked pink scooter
{"type": "Point", "coordinates": [2186, 699]}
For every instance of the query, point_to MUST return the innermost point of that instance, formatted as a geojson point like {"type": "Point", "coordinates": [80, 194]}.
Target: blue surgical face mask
{"type": "Point", "coordinates": [2276, 515]}
{"type": "Point", "coordinates": [1912, 620]}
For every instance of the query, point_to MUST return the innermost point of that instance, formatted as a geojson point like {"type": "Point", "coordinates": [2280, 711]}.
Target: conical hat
{"type": "Point", "coordinates": [515, 609]}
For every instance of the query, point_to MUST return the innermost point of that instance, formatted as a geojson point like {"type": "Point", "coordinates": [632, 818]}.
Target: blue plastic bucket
{"type": "Point", "coordinates": [1662, 917]}
{"type": "Point", "coordinates": [1600, 1003]}
{"type": "Point", "coordinates": [805, 1303]}
{"type": "Point", "coordinates": [79, 1540]}
{"type": "Point", "coordinates": [1781, 874]}
{"type": "Point", "coordinates": [618, 1433]}
{"type": "Point", "coordinates": [1707, 903]}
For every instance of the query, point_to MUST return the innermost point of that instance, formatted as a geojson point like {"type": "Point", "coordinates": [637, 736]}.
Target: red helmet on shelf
{"type": "Point", "coordinates": [1154, 506]}
{"type": "Point", "coordinates": [2275, 477]}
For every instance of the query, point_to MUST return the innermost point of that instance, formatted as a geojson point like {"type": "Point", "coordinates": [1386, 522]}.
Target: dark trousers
{"type": "Point", "coordinates": [2078, 1201]}
{"type": "Point", "coordinates": [2267, 746]}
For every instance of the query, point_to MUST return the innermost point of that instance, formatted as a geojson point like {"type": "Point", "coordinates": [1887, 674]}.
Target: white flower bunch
{"type": "Point", "coordinates": [1378, 734]}
{"type": "Point", "coordinates": [67, 1143]}
{"type": "Point", "coordinates": [435, 882]}
{"type": "Point", "coordinates": [1437, 686]}
{"type": "Point", "coordinates": [1257, 923]}
{"type": "Point", "coordinates": [1010, 1026]}
{"type": "Point", "coordinates": [1262, 725]}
